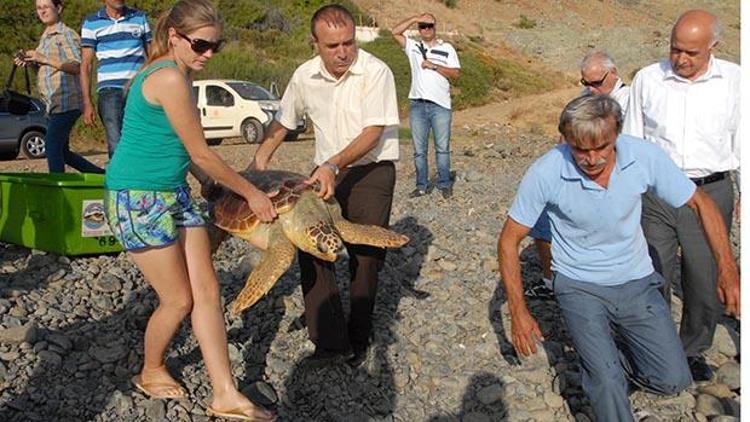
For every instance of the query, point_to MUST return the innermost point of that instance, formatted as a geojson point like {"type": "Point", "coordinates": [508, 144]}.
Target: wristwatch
{"type": "Point", "coordinates": [331, 166]}
{"type": "Point", "coordinates": [434, 67]}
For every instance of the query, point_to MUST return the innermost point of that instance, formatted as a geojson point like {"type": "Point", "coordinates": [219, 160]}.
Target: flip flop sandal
{"type": "Point", "coordinates": [147, 388]}
{"type": "Point", "coordinates": [235, 414]}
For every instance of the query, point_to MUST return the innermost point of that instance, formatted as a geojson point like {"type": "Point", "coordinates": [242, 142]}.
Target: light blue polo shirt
{"type": "Point", "coordinates": [596, 232]}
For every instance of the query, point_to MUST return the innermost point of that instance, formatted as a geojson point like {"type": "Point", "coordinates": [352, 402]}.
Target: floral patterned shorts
{"type": "Point", "coordinates": [142, 219]}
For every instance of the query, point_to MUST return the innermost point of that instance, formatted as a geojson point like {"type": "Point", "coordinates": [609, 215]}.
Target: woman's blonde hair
{"type": "Point", "coordinates": [185, 17]}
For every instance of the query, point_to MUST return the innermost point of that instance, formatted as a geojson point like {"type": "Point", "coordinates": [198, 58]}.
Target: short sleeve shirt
{"type": "Point", "coordinates": [61, 91]}
{"type": "Point", "coordinates": [120, 45]}
{"type": "Point", "coordinates": [340, 109]}
{"type": "Point", "coordinates": [427, 84]}
{"type": "Point", "coordinates": [596, 232]}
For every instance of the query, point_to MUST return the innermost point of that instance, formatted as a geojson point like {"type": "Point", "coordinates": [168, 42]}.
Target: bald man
{"type": "Point", "coordinates": [689, 105]}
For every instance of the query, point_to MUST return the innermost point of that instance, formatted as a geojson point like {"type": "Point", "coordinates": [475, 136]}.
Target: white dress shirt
{"type": "Point", "coordinates": [620, 92]}
{"type": "Point", "coordinates": [695, 122]}
{"type": "Point", "coordinates": [340, 109]}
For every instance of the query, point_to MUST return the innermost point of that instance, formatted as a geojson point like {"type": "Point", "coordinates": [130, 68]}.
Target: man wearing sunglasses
{"type": "Point", "coordinates": [119, 37]}
{"type": "Point", "coordinates": [689, 104]}
{"type": "Point", "coordinates": [433, 63]}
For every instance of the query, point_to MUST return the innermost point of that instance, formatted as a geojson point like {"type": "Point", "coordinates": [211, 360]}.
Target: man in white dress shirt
{"type": "Point", "coordinates": [599, 76]}
{"type": "Point", "coordinates": [689, 105]}
{"type": "Point", "coordinates": [350, 96]}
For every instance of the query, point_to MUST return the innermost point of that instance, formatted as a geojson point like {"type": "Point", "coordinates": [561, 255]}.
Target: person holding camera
{"type": "Point", "coordinates": [57, 62]}
{"type": "Point", "coordinates": [433, 63]}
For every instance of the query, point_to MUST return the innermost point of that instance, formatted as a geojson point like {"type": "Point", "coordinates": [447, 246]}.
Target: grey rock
{"type": "Point", "coordinates": [156, 411]}
{"type": "Point", "coordinates": [491, 393]}
{"type": "Point", "coordinates": [709, 405]}
{"type": "Point", "coordinates": [729, 374]}
{"type": "Point", "coordinates": [107, 283]}
{"type": "Point", "coordinates": [108, 354]}
{"type": "Point", "coordinates": [17, 335]}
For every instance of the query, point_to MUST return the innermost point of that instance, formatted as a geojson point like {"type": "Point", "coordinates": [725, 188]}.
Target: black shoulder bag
{"type": "Point", "coordinates": [16, 102]}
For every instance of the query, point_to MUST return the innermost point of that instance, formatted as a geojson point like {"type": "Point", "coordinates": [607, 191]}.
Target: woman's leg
{"type": "Point", "coordinates": [209, 327]}
{"type": "Point", "coordinates": [164, 269]}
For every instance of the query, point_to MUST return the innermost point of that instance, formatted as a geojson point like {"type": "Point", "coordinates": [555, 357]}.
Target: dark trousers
{"type": "Point", "coordinates": [667, 228]}
{"type": "Point", "coordinates": [57, 144]}
{"type": "Point", "coordinates": [365, 194]}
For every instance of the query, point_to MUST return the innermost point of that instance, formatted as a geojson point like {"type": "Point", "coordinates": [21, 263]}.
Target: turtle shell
{"type": "Point", "coordinates": [231, 212]}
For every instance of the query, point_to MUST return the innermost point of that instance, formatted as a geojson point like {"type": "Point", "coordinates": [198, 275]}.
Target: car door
{"type": "Point", "coordinates": [217, 114]}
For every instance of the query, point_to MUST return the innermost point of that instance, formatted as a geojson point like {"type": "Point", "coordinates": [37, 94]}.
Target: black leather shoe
{"type": "Point", "coordinates": [323, 357]}
{"type": "Point", "coordinates": [416, 193]}
{"type": "Point", "coordinates": [447, 192]}
{"type": "Point", "coordinates": [358, 358]}
{"type": "Point", "coordinates": [700, 369]}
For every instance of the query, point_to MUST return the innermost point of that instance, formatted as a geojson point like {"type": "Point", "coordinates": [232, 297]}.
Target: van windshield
{"type": "Point", "coordinates": [251, 91]}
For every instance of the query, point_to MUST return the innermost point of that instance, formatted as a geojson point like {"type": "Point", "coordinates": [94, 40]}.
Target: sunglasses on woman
{"type": "Point", "coordinates": [200, 46]}
{"type": "Point", "coordinates": [425, 25]}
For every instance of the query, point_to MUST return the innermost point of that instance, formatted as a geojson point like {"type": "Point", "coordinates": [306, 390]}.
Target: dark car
{"type": "Point", "coordinates": [23, 133]}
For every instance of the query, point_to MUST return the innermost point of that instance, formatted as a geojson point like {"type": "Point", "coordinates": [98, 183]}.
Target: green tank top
{"type": "Point", "coordinates": [150, 155]}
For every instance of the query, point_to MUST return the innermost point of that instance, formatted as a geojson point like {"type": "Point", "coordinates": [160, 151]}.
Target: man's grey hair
{"type": "Point", "coordinates": [598, 57]}
{"type": "Point", "coordinates": [587, 118]}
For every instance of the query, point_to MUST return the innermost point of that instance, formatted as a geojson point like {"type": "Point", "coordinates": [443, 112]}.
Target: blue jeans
{"type": "Point", "coordinates": [57, 145]}
{"type": "Point", "coordinates": [111, 108]}
{"type": "Point", "coordinates": [425, 115]}
{"type": "Point", "coordinates": [647, 348]}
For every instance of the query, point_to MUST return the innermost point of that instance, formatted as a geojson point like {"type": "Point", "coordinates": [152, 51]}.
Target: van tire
{"type": "Point", "coordinates": [252, 131]}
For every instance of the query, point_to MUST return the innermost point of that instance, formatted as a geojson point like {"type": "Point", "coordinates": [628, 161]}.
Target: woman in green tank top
{"type": "Point", "coordinates": [150, 210]}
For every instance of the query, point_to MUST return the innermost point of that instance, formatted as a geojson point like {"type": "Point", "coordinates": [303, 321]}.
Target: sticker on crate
{"type": "Point", "coordinates": [93, 219]}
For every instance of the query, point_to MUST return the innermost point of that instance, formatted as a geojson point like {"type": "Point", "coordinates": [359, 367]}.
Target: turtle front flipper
{"type": "Point", "coordinates": [277, 259]}
{"type": "Point", "coordinates": [361, 234]}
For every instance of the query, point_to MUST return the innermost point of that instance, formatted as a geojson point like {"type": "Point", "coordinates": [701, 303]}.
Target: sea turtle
{"type": "Point", "coordinates": [304, 221]}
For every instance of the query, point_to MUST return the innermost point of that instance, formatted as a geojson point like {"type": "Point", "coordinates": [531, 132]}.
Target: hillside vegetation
{"type": "Point", "coordinates": [268, 39]}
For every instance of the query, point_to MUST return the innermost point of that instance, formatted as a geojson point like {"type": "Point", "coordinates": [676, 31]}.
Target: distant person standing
{"type": "Point", "coordinates": [120, 37]}
{"type": "Point", "coordinates": [689, 105]}
{"type": "Point", "coordinates": [57, 60]}
{"type": "Point", "coordinates": [598, 76]}
{"type": "Point", "coordinates": [433, 62]}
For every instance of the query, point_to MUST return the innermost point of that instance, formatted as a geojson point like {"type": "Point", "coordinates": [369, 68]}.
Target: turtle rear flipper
{"type": "Point", "coordinates": [361, 234]}
{"type": "Point", "coordinates": [276, 260]}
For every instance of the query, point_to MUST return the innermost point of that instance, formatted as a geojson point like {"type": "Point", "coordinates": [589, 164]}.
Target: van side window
{"type": "Point", "coordinates": [218, 96]}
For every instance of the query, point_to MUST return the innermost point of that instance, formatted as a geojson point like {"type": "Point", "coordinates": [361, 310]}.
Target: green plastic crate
{"type": "Point", "coordinates": [61, 213]}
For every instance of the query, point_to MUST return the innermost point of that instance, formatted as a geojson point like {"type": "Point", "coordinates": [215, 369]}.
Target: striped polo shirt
{"type": "Point", "coordinates": [61, 91]}
{"type": "Point", "coordinates": [119, 45]}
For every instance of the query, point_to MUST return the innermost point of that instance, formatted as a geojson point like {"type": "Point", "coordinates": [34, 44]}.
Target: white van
{"type": "Point", "coordinates": [230, 108]}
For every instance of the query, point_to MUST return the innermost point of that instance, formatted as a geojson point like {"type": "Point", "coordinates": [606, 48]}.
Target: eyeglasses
{"type": "Point", "coordinates": [200, 46]}
{"type": "Point", "coordinates": [594, 84]}
{"type": "Point", "coordinates": [425, 25]}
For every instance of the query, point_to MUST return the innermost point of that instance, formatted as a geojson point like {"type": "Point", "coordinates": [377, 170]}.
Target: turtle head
{"type": "Point", "coordinates": [324, 241]}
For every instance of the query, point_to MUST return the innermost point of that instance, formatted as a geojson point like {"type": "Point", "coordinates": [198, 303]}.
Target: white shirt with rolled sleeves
{"type": "Point", "coordinates": [341, 108]}
{"type": "Point", "coordinates": [696, 122]}
{"type": "Point", "coordinates": [427, 84]}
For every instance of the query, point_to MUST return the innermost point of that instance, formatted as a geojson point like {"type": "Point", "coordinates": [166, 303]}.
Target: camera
{"type": "Point", "coordinates": [20, 55]}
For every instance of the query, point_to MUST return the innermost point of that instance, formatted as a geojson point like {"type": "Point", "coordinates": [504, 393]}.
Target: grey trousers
{"type": "Point", "coordinates": [667, 228]}
{"type": "Point", "coordinates": [645, 350]}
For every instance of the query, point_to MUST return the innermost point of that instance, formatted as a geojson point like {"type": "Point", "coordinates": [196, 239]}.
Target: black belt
{"type": "Point", "coordinates": [711, 178]}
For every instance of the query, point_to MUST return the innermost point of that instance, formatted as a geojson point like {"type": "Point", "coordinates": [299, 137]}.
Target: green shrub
{"type": "Point", "coordinates": [525, 23]}
{"type": "Point", "coordinates": [451, 3]}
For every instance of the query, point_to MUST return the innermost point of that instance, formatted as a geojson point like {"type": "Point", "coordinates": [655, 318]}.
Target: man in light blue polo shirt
{"type": "Point", "coordinates": [119, 36]}
{"type": "Point", "coordinates": [603, 277]}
